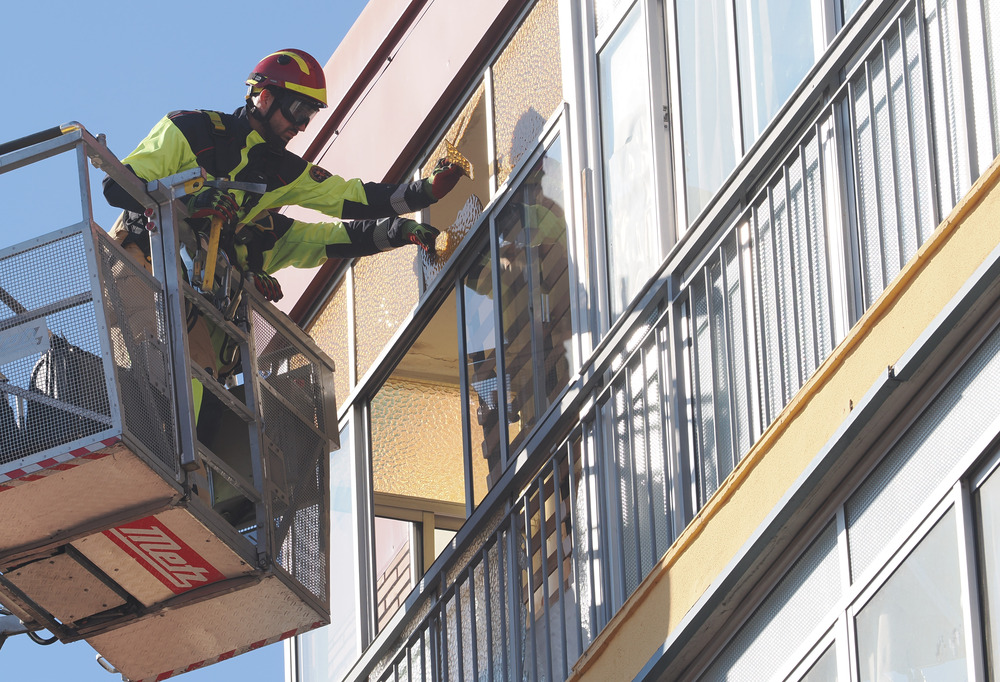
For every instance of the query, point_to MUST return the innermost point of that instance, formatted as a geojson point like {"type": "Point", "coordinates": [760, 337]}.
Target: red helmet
{"type": "Point", "coordinates": [293, 70]}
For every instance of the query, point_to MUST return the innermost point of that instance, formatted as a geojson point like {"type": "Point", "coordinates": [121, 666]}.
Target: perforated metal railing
{"type": "Point", "coordinates": [134, 305]}
{"type": "Point", "coordinates": [767, 305]}
{"type": "Point", "coordinates": [514, 610]}
{"type": "Point", "coordinates": [296, 405]}
{"type": "Point", "coordinates": [885, 155]}
{"type": "Point", "coordinates": [54, 384]}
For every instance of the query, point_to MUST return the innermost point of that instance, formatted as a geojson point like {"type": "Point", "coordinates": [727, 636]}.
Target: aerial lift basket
{"type": "Point", "coordinates": [165, 544]}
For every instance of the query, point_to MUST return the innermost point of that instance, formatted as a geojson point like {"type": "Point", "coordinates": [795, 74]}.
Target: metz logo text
{"type": "Point", "coordinates": [177, 566]}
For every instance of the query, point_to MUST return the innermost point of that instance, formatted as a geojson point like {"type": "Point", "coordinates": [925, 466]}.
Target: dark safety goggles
{"type": "Point", "coordinates": [297, 110]}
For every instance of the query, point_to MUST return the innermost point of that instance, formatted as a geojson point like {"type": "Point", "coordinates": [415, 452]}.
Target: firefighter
{"type": "Point", "coordinates": [285, 91]}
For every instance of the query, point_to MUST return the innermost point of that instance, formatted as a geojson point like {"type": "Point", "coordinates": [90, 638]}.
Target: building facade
{"type": "Point", "coordinates": [701, 384]}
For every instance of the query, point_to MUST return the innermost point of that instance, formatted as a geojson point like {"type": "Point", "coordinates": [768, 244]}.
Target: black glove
{"type": "Point", "coordinates": [213, 203]}
{"type": "Point", "coordinates": [268, 286]}
{"type": "Point", "coordinates": [443, 179]}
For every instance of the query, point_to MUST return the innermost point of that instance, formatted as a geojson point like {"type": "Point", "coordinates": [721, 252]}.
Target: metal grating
{"type": "Point", "coordinates": [797, 604]}
{"type": "Point", "coordinates": [134, 306]}
{"type": "Point", "coordinates": [296, 460]}
{"type": "Point", "coordinates": [53, 380]}
{"type": "Point", "coordinates": [289, 370]}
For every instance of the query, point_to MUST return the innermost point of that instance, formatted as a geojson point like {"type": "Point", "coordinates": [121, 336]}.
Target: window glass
{"type": "Point", "coordinates": [458, 212]}
{"type": "Point", "coordinates": [416, 418]}
{"type": "Point", "coordinates": [535, 293]}
{"type": "Point", "coordinates": [825, 669]}
{"type": "Point", "coordinates": [386, 290]}
{"type": "Point", "coordinates": [988, 513]}
{"type": "Point", "coordinates": [711, 135]}
{"type": "Point", "coordinates": [330, 332]}
{"type": "Point", "coordinates": [776, 50]}
{"type": "Point", "coordinates": [329, 653]}
{"type": "Point", "coordinates": [393, 577]}
{"type": "Point", "coordinates": [604, 12]}
{"type": "Point", "coordinates": [633, 247]}
{"type": "Point", "coordinates": [913, 627]}
{"type": "Point", "coordinates": [850, 7]}
{"type": "Point", "coordinates": [481, 364]}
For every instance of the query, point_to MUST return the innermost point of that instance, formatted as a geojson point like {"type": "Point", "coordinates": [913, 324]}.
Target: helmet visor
{"type": "Point", "coordinates": [297, 110]}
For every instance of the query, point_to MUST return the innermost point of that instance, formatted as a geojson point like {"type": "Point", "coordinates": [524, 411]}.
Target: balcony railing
{"type": "Point", "coordinates": [877, 145]}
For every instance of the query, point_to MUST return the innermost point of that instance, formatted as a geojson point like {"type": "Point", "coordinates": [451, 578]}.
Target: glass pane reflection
{"type": "Point", "coordinates": [776, 51]}
{"type": "Point", "coordinates": [481, 365]}
{"type": "Point", "coordinates": [988, 517]}
{"type": "Point", "coordinates": [711, 135]}
{"type": "Point", "coordinates": [633, 247]}
{"type": "Point", "coordinates": [825, 669]}
{"type": "Point", "coordinates": [535, 293]}
{"type": "Point", "coordinates": [913, 626]}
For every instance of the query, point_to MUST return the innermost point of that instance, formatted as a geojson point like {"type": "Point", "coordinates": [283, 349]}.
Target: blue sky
{"type": "Point", "coordinates": [117, 67]}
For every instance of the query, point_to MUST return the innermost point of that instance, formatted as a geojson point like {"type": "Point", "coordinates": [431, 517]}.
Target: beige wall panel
{"type": "Point", "coordinates": [384, 122]}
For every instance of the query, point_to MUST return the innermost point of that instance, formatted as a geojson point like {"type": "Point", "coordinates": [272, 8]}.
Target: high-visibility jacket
{"type": "Point", "coordinates": [225, 145]}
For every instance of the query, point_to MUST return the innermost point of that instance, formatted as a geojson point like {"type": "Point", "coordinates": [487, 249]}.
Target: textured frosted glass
{"type": "Point", "coordinates": [913, 627]}
{"type": "Point", "coordinates": [329, 330]}
{"type": "Point", "coordinates": [527, 86]}
{"type": "Point", "coordinates": [386, 289]}
{"type": "Point", "coordinates": [416, 440]}
{"type": "Point", "coordinates": [456, 213]}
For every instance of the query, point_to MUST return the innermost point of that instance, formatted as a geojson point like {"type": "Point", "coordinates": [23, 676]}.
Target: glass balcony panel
{"type": "Point", "coordinates": [633, 246]}
{"type": "Point", "coordinates": [913, 626]}
{"type": "Point", "coordinates": [330, 331]}
{"type": "Point", "coordinates": [708, 108]}
{"type": "Point", "coordinates": [485, 394]}
{"type": "Point", "coordinates": [535, 293]}
{"type": "Point", "coordinates": [776, 50]}
{"type": "Point", "coordinates": [987, 501]}
{"type": "Point", "coordinates": [825, 669]}
{"type": "Point", "coordinates": [527, 86]}
{"type": "Point", "coordinates": [386, 289]}
{"type": "Point", "coordinates": [416, 419]}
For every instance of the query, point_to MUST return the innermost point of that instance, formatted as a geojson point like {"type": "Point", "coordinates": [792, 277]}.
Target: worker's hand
{"type": "Point", "coordinates": [267, 286]}
{"type": "Point", "coordinates": [420, 234]}
{"type": "Point", "coordinates": [213, 203]}
{"type": "Point", "coordinates": [444, 178]}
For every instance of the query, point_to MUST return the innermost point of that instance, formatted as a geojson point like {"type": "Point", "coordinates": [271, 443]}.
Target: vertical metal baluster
{"type": "Point", "coordinates": [544, 556]}
{"type": "Point", "coordinates": [560, 558]}
{"type": "Point", "coordinates": [473, 621]}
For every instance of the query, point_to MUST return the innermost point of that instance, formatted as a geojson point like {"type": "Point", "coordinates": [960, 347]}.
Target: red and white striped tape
{"type": "Point", "coordinates": [229, 654]}
{"type": "Point", "coordinates": [37, 470]}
